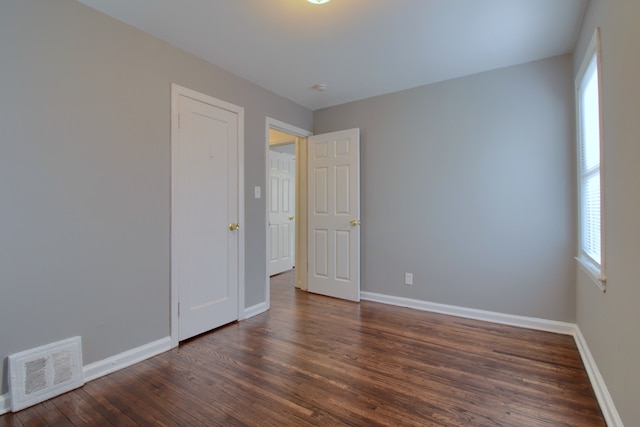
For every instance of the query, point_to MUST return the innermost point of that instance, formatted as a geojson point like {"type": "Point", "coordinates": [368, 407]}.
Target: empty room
{"type": "Point", "coordinates": [457, 217]}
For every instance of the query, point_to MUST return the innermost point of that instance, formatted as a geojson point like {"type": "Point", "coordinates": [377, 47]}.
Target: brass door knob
{"type": "Point", "coordinates": [354, 222]}
{"type": "Point", "coordinates": [234, 226]}
{"type": "Point", "coordinates": [291, 218]}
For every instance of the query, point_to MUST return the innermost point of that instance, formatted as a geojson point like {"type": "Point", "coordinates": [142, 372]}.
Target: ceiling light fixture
{"type": "Point", "coordinates": [318, 1]}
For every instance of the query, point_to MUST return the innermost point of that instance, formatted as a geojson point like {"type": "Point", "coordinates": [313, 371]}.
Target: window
{"type": "Point", "coordinates": [591, 232]}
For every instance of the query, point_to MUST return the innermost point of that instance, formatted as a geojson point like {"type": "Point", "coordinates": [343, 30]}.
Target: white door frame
{"type": "Point", "coordinates": [301, 218]}
{"type": "Point", "coordinates": [176, 92]}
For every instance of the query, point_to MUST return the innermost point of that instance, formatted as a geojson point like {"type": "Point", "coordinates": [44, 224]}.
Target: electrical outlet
{"type": "Point", "coordinates": [408, 279]}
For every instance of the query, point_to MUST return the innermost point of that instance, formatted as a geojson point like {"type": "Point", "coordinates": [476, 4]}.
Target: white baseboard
{"type": "Point", "coordinates": [609, 410]}
{"type": "Point", "coordinates": [5, 403]}
{"type": "Point", "coordinates": [124, 359]}
{"type": "Point", "coordinates": [471, 313]}
{"type": "Point", "coordinates": [254, 310]}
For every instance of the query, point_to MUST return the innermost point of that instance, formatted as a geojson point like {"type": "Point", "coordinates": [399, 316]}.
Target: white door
{"type": "Point", "coordinates": [334, 214]}
{"type": "Point", "coordinates": [281, 211]}
{"type": "Point", "coordinates": [205, 237]}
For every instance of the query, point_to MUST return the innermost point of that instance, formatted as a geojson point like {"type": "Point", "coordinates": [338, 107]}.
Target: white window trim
{"type": "Point", "coordinates": [593, 270]}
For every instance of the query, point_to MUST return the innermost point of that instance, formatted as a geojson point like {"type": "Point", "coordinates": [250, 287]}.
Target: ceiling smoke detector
{"type": "Point", "coordinates": [320, 87]}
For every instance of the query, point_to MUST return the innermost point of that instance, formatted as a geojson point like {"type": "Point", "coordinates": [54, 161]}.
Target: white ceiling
{"type": "Point", "coordinates": [359, 48]}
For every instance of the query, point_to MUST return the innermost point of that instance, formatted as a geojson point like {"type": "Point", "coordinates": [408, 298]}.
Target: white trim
{"type": "Point", "coordinates": [5, 403]}
{"type": "Point", "coordinates": [127, 358]}
{"type": "Point", "coordinates": [597, 273]}
{"type": "Point", "coordinates": [592, 272]}
{"type": "Point", "coordinates": [242, 231]}
{"type": "Point", "coordinates": [592, 48]}
{"type": "Point", "coordinates": [287, 128]}
{"type": "Point", "coordinates": [603, 396]}
{"type": "Point", "coordinates": [254, 310]}
{"type": "Point", "coordinates": [293, 130]}
{"type": "Point", "coordinates": [472, 313]}
{"type": "Point", "coordinates": [175, 294]}
{"type": "Point", "coordinates": [176, 91]}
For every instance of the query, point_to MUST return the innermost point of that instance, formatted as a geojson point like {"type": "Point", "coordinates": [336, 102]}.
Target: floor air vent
{"type": "Point", "coordinates": [44, 372]}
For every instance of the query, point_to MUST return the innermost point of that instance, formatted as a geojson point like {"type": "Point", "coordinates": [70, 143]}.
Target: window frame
{"type": "Point", "coordinates": [594, 270]}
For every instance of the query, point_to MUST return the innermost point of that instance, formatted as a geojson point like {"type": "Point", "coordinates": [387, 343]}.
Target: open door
{"type": "Point", "coordinates": [334, 214]}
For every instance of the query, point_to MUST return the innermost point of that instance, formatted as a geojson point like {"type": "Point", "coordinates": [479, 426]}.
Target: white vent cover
{"type": "Point", "coordinates": [44, 372]}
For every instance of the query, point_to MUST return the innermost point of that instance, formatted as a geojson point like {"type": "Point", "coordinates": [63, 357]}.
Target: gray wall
{"type": "Point", "coordinates": [609, 321]}
{"type": "Point", "coordinates": [447, 173]}
{"type": "Point", "coordinates": [85, 176]}
{"type": "Point", "coordinates": [469, 184]}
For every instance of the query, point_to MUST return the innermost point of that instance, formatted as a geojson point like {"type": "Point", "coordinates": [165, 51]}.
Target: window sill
{"type": "Point", "coordinates": [594, 272]}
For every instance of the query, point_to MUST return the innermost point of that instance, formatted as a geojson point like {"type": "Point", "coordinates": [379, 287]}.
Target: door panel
{"type": "Point", "coordinates": [343, 245]}
{"type": "Point", "coordinates": [342, 190]}
{"type": "Point", "coordinates": [334, 214]}
{"type": "Point", "coordinates": [205, 203]}
{"type": "Point", "coordinates": [320, 266]}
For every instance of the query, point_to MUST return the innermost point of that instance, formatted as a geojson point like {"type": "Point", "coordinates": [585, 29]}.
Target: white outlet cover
{"type": "Point", "coordinates": [408, 278]}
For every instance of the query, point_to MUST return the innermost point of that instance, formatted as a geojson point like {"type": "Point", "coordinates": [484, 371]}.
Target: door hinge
{"type": "Point", "coordinates": [178, 309]}
{"type": "Point", "coordinates": [179, 120]}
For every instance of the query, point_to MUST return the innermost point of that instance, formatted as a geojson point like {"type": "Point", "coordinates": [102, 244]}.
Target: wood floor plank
{"type": "Point", "coordinates": [107, 397]}
{"type": "Point", "coordinates": [81, 409]}
{"type": "Point", "coordinates": [318, 361]}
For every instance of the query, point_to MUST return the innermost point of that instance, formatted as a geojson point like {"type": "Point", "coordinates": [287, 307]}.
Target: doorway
{"type": "Point", "coordinates": [281, 201]}
{"type": "Point", "coordinates": [327, 187]}
{"type": "Point", "coordinates": [294, 139]}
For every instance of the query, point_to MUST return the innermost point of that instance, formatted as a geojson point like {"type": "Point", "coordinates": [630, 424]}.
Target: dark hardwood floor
{"type": "Point", "coordinates": [313, 360]}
